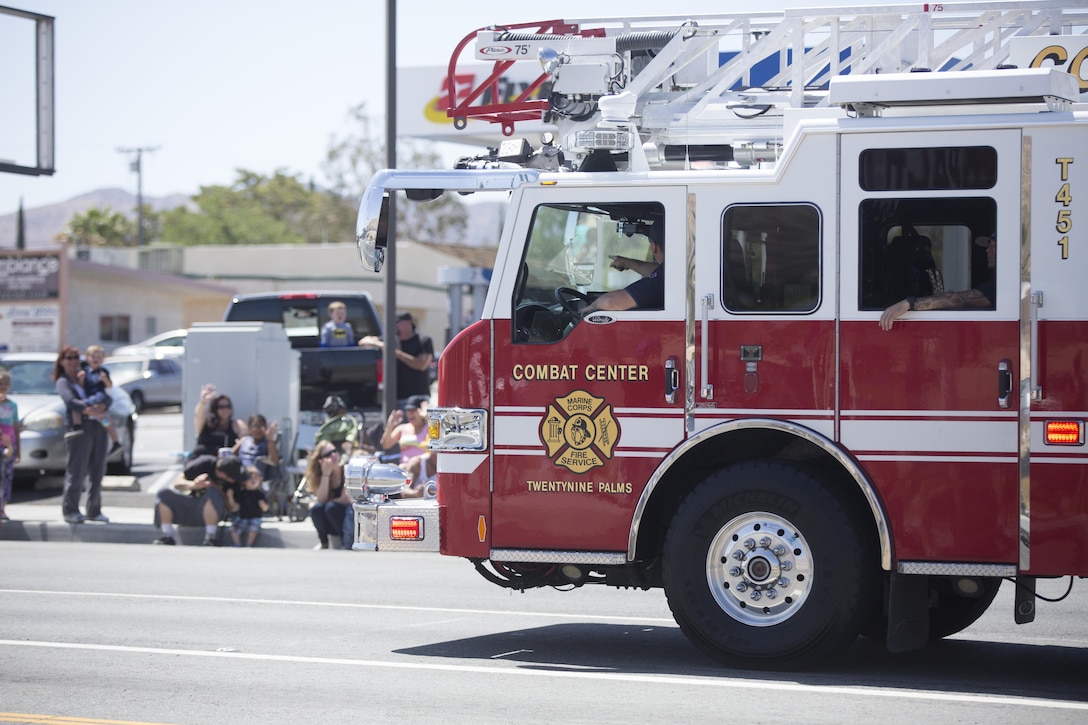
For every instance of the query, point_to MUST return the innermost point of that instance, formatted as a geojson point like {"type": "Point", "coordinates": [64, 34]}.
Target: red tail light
{"type": "Point", "coordinates": [1065, 433]}
{"type": "Point", "coordinates": [406, 528]}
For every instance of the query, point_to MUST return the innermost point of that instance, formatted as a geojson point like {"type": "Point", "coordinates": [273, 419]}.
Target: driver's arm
{"type": "Point", "coordinates": [619, 299]}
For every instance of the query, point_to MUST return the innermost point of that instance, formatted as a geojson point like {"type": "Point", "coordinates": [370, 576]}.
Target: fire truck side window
{"type": "Point", "coordinates": [771, 258]}
{"type": "Point", "coordinates": [968, 167]}
{"type": "Point", "coordinates": [921, 247]}
{"type": "Point", "coordinates": [570, 248]}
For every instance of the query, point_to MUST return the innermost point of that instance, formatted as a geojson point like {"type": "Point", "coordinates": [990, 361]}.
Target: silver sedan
{"type": "Point", "coordinates": [150, 380]}
{"type": "Point", "coordinates": [41, 416]}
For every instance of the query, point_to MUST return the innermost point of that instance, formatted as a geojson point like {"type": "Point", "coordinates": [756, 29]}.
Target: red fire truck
{"type": "Point", "coordinates": [857, 403]}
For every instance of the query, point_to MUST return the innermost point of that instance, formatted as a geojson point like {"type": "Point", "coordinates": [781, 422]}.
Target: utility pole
{"type": "Point", "coordinates": [137, 166]}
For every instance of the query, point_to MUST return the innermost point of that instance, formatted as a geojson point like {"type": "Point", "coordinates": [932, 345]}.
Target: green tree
{"type": "Point", "coordinates": [258, 209]}
{"type": "Point", "coordinates": [352, 161]}
{"type": "Point", "coordinates": [100, 227]}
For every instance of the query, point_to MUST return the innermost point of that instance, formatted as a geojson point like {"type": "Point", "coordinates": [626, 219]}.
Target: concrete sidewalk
{"type": "Point", "coordinates": [132, 525]}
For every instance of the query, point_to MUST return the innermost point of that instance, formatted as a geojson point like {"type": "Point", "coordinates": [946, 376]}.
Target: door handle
{"type": "Point", "coordinates": [1036, 301]}
{"type": "Point", "coordinates": [672, 380]}
{"type": "Point", "coordinates": [1004, 383]}
{"type": "Point", "coordinates": [706, 388]}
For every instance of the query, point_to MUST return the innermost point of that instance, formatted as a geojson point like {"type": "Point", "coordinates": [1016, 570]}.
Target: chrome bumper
{"type": "Point", "coordinates": [375, 523]}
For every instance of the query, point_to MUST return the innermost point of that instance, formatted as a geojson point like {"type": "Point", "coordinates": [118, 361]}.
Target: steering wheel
{"type": "Point", "coordinates": [567, 296]}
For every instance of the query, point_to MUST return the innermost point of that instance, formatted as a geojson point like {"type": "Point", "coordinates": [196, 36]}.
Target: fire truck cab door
{"type": "Point", "coordinates": [919, 403]}
{"type": "Point", "coordinates": [585, 407]}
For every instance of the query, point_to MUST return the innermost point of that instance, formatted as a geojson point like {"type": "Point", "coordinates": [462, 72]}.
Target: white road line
{"type": "Point", "coordinates": [667, 621]}
{"type": "Point", "coordinates": [722, 683]}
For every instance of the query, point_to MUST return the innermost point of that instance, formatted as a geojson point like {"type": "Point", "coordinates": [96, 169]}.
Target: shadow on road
{"type": "Point", "coordinates": [958, 666]}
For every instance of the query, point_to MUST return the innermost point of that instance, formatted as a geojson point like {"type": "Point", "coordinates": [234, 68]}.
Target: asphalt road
{"type": "Point", "coordinates": [111, 632]}
{"type": "Point", "coordinates": [193, 635]}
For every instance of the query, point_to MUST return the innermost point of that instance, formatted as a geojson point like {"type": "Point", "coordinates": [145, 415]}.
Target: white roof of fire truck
{"type": "Point", "coordinates": [719, 90]}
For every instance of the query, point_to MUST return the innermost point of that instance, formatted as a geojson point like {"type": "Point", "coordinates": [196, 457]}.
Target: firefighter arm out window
{"type": "Point", "coordinates": [580, 258]}
{"type": "Point", "coordinates": [927, 254]}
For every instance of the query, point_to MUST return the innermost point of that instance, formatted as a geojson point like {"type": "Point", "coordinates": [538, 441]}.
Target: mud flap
{"type": "Point", "coordinates": [1025, 600]}
{"type": "Point", "coordinates": [908, 612]}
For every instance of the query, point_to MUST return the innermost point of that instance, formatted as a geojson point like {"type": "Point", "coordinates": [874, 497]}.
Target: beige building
{"type": "Point", "coordinates": [156, 289]}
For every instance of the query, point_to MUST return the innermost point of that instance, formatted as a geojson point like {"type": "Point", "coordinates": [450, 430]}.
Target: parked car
{"type": "Point", "coordinates": [151, 380]}
{"type": "Point", "coordinates": [170, 343]}
{"type": "Point", "coordinates": [41, 415]}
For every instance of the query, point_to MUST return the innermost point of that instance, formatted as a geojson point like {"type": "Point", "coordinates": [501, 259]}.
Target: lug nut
{"type": "Point", "coordinates": [765, 542]}
{"type": "Point", "coordinates": [734, 571]}
{"type": "Point", "coordinates": [749, 544]}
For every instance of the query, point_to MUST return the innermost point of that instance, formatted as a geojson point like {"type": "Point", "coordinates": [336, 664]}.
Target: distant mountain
{"type": "Point", "coordinates": [44, 223]}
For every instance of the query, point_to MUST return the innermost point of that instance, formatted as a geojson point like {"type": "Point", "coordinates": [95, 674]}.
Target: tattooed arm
{"type": "Point", "coordinates": [948, 300]}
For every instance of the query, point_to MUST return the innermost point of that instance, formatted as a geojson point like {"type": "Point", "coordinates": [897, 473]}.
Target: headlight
{"type": "Point", "coordinates": [456, 429]}
{"type": "Point", "coordinates": [43, 420]}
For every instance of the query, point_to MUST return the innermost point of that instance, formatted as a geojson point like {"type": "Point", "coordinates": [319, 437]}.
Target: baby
{"type": "Point", "coordinates": [95, 380]}
{"type": "Point", "coordinates": [252, 505]}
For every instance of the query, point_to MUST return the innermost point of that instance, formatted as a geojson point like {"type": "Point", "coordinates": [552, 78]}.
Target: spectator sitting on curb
{"type": "Point", "coordinates": [407, 433]}
{"type": "Point", "coordinates": [258, 448]}
{"type": "Point", "coordinates": [201, 494]}
{"type": "Point", "coordinates": [252, 506]}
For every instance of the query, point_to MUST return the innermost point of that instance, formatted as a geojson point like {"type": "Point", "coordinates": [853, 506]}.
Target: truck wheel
{"type": "Point", "coordinates": [954, 612]}
{"type": "Point", "coordinates": [765, 568]}
{"type": "Point", "coordinates": [950, 612]}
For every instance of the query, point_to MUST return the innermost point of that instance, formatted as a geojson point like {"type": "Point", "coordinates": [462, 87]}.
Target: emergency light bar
{"type": "Point", "coordinates": [869, 93]}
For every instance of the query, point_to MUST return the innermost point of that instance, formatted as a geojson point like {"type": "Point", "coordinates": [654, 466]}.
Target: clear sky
{"type": "Point", "coordinates": [218, 85]}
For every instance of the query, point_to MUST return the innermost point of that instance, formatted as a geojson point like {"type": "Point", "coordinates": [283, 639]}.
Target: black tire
{"type": "Point", "coordinates": [949, 613]}
{"type": "Point", "coordinates": [953, 612]}
{"type": "Point", "coordinates": [137, 400]}
{"type": "Point", "coordinates": [773, 529]}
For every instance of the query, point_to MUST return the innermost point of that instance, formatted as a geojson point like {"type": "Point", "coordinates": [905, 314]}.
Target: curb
{"type": "Point", "coordinates": [41, 523]}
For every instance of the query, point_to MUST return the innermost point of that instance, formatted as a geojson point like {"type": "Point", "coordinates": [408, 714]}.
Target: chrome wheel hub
{"type": "Point", "coordinates": [759, 569]}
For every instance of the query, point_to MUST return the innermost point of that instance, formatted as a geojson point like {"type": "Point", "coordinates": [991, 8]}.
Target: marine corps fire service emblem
{"type": "Point", "coordinates": [579, 431]}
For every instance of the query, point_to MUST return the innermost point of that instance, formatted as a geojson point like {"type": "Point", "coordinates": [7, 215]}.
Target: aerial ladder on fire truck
{"type": "Point", "coordinates": [668, 92]}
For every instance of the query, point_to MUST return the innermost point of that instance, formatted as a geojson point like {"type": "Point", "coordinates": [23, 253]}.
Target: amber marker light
{"type": "Point", "coordinates": [406, 528]}
{"type": "Point", "coordinates": [1065, 433]}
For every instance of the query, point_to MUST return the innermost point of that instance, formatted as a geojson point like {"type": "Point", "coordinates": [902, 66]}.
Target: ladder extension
{"type": "Point", "coordinates": [709, 71]}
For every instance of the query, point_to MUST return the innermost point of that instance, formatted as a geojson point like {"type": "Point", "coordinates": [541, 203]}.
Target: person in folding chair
{"type": "Point", "coordinates": [339, 428]}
